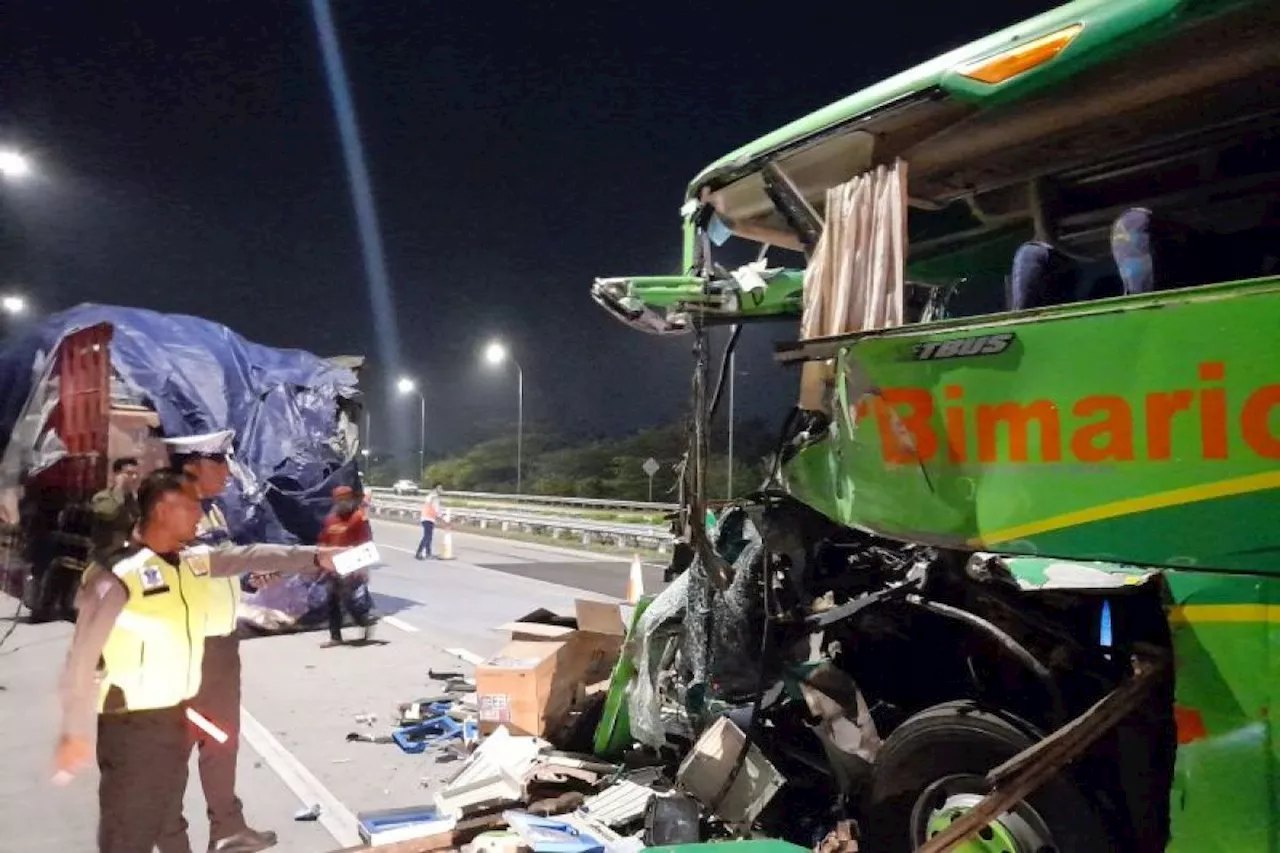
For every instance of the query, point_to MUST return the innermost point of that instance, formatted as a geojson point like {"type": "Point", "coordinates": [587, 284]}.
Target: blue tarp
{"type": "Point", "coordinates": [200, 376]}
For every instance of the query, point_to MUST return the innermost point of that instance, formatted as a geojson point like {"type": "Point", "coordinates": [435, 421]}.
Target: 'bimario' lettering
{"type": "Point", "coordinates": [914, 426]}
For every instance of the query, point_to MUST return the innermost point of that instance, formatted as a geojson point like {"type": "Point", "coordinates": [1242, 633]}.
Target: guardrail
{"type": "Point", "coordinates": [549, 500]}
{"type": "Point", "coordinates": [586, 531]}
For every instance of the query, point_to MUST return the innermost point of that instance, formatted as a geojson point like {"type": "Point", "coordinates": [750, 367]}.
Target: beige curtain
{"type": "Point", "coordinates": [854, 280]}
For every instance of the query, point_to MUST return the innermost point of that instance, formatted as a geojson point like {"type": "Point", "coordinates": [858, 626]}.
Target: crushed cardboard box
{"type": "Point", "coordinates": [533, 683]}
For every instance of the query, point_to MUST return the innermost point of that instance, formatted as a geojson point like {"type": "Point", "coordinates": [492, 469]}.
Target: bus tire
{"type": "Point", "coordinates": [932, 767]}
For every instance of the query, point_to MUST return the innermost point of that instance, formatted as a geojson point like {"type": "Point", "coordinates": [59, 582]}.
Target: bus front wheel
{"type": "Point", "coordinates": [932, 769]}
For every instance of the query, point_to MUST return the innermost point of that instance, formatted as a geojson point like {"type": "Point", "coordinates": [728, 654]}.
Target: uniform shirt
{"type": "Point", "coordinates": [103, 597]}
{"type": "Point", "coordinates": [153, 654]}
{"type": "Point", "coordinates": [114, 517]}
{"type": "Point", "coordinates": [224, 595]}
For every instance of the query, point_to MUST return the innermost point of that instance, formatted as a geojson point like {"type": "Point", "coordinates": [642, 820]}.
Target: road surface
{"type": "Point", "coordinates": [301, 700]}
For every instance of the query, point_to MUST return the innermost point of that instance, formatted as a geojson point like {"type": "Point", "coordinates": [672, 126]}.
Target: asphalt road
{"type": "Point", "coordinates": [301, 700]}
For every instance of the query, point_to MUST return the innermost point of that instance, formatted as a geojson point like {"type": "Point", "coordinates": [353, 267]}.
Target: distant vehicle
{"type": "Point", "coordinates": [405, 487]}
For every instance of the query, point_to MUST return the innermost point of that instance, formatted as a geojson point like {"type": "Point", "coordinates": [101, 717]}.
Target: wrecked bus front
{"type": "Point", "coordinates": [1037, 429]}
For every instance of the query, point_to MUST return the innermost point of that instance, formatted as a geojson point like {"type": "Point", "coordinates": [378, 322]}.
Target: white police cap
{"type": "Point", "coordinates": [208, 444]}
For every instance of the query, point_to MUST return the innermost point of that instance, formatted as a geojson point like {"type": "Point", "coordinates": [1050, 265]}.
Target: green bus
{"type": "Point", "coordinates": [1075, 401]}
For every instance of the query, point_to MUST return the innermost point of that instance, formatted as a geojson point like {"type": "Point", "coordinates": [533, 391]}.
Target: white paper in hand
{"type": "Point", "coordinates": [357, 558]}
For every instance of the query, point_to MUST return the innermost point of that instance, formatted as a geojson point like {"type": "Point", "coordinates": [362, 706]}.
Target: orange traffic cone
{"type": "Point", "coordinates": [635, 583]}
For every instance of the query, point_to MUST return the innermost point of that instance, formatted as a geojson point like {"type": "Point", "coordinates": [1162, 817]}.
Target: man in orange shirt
{"type": "Point", "coordinates": [430, 518]}
{"type": "Point", "coordinates": [346, 526]}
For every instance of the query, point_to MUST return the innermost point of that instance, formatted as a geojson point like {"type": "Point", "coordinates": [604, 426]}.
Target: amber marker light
{"type": "Point", "coordinates": [1018, 60]}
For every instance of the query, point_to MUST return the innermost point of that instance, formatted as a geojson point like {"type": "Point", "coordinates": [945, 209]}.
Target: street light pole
{"type": "Point", "coordinates": [422, 438]}
{"type": "Point", "coordinates": [496, 353]}
{"type": "Point", "coordinates": [409, 386]}
{"type": "Point", "coordinates": [519, 427]}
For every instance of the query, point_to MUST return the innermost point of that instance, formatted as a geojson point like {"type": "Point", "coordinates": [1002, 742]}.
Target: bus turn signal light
{"type": "Point", "coordinates": [1009, 64]}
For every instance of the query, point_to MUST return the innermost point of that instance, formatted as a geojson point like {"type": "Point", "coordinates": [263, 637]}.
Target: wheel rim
{"type": "Point", "coordinates": [1020, 830]}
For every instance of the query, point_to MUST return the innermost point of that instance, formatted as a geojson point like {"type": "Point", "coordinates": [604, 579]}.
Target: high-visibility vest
{"type": "Point", "coordinates": [224, 593]}
{"type": "Point", "coordinates": [153, 654]}
{"type": "Point", "coordinates": [431, 509]}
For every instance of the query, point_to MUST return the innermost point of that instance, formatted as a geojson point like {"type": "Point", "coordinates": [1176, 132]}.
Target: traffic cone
{"type": "Point", "coordinates": [446, 547]}
{"type": "Point", "coordinates": [635, 583]}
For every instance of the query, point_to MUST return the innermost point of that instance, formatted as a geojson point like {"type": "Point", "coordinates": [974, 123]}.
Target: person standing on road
{"type": "Point", "coordinates": [347, 526]}
{"type": "Point", "coordinates": [203, 458]}
{"type": "Point", "coordinates": [430, 518]}
{"type": "Point", "coordinates": [115, 510]}
{"type": "Point", "coordinates": [136, 658]}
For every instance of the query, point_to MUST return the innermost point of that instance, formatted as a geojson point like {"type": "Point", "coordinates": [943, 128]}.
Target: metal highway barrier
{"type": "Point", "coordinates": [544, 500]}
{"type": "Point", "coordinates": [406, 507]}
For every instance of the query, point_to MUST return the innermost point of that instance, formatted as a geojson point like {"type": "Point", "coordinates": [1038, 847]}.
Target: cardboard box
{"type": "Point", "coordinates": [537, 679]}
{"type": "Point", "coordinates": [707, 767]}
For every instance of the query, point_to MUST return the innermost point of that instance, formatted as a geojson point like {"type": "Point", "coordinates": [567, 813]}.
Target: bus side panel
{"type": "Point", "coordinates": [1226, 632]}
{"type": "Point", "coordinates": [1138, 430]}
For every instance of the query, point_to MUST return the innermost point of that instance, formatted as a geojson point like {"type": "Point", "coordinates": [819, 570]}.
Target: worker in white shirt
{"type": "Point", "coordinates": [430, 517]}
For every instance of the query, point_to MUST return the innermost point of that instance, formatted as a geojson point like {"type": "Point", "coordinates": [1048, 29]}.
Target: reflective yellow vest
{"type": "Point", "coordinates": [224, 593]}
{"type": "Point", "coordinates": [153, 654]}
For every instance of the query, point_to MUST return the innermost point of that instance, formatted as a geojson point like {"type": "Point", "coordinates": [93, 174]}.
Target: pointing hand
{"type": "Point", "coordinates": [324, 559]}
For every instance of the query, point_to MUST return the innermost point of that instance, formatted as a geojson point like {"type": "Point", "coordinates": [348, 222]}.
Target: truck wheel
{"type": "Point", "coordinates": [931, 770]}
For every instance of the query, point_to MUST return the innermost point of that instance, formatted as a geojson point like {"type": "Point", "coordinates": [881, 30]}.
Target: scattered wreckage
{"type": "Point", "coordinates": [1031, 466]}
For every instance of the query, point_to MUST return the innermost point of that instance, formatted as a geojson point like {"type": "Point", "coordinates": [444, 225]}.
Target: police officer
{"type": "Point", "coordinates": [142, 621]}
{"type": "Point", "coordinates": [204, 458]}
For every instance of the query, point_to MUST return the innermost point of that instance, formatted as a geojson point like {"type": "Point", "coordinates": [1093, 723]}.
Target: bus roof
{"type": "Point", "coordinates": [1083, 33]}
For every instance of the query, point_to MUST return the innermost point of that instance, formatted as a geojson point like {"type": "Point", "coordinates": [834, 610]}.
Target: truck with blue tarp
{"type": "Point", "coordinates": [97, 383]}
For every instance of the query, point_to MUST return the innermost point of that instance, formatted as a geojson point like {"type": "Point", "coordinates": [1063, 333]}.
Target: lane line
{"type": "Point", "coordinates": [400, 623]}
{"type": "Point", "coordinates": [334, 816]}
{"type": "Point", "coordinates": [396, 548]}
{"type": "Point", "coordinates": [470, 657]}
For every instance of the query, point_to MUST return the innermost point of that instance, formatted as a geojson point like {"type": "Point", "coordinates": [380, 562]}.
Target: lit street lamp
{"type": "Point", "coordinates": [496, 353]}
{"type": "Point", "coordinates": [14, 165]}
{"type": "Point", "coordinates": [408, 386]}
{"type": "Point", "coordinates": [13, 305]}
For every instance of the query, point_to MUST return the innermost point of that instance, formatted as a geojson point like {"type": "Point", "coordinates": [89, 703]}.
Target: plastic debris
{"type": "Point", "coordinates": [310, 813]}
{"type": "Point", "coordinates": [494, 775]}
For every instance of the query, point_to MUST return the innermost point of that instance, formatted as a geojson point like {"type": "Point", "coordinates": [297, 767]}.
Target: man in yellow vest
{"type": "Point", "coordinates": [136, 658]}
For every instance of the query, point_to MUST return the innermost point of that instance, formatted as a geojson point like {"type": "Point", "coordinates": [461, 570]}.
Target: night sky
{"type": "Point", "coordinates": [189, 162]}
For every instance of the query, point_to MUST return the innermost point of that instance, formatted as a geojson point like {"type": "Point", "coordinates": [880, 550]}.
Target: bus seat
{"type": "Point", "coordinates": [1042, 276]}
{"type": "Point", "coordinates": [1153, 252]}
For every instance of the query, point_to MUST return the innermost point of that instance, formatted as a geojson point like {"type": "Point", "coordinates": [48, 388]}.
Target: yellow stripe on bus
{"type": "Point", "coordinates": [1132, 506]}
{"type": "Point", "coordinates": [1200, 614]}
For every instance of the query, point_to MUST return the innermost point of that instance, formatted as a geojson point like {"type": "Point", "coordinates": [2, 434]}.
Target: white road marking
{"type": "Point", "coordinates": [470, 657]}
{"type": "Point", "coordinates": [399, 623]}
{"type": "Point", "coordinates": [334, 816]}
{"type": "Point", "coordinates": [396, 548]}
